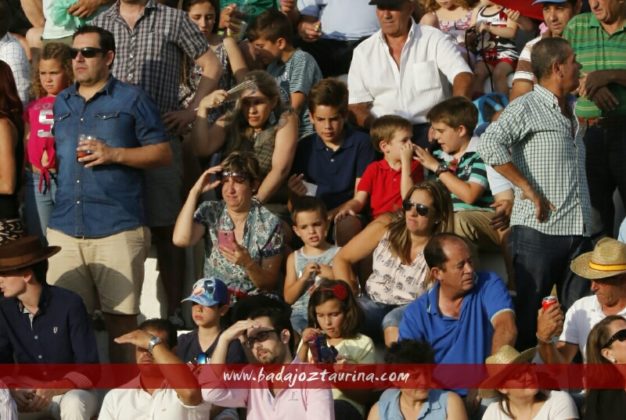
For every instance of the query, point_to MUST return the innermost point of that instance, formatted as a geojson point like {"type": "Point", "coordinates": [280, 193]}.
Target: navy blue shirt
{"type": "Point", "coordinates": [188, 349]}
{"type": "Point", "coordinates": [334, 172]}
{"type": "Point", "coordinates": [106, 199]}
{"type": "Point", "coordinates": [60, 331]}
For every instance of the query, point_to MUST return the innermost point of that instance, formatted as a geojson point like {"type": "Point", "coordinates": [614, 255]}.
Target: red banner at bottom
{"type": "Point", "coordinates": [345, 376]}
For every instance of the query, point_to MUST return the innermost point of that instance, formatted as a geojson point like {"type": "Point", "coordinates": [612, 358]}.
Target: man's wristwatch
{"type": "Point", "coordinates": [154, 341]}
{"type": "Point", "coordinates": [443, 167]}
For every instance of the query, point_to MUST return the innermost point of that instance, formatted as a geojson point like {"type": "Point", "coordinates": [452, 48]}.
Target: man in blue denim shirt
{"type": "Point", "coordinates": [99, 216]}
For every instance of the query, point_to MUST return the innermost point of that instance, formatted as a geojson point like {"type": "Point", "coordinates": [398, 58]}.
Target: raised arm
{"type": "Point", "coordinates": [358, 248]}
{"type": "Point", "coordinates": [172, 368]}
{"type": "Point", "coordinates": [282, 158]}
{"type": "Point", "coordinates": [186, 231]}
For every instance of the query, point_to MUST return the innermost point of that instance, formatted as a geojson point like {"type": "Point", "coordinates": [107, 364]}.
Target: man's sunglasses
{"type": "Point", "coordinates": [421, 209]}
{"type": "Point", "coordinates": [260, 337]}
{"type": "Point", "coordinates": [87, 52]}
{"type": "Point", "coordinates": [618, 336]}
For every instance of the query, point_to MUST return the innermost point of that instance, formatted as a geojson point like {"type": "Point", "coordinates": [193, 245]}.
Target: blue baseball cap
{"type": "Point", "coordinates": [208, 292]}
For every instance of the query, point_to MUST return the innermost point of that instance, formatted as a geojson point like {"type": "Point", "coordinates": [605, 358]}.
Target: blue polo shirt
{"type": "Point", "coordinates": [463, 340]}
{"type": "Point", "coordinates": [334, 172]}
{"type": "Point", "coordinates": [106, 199]}
{"type": "Point", "coordinates": [60, 332]}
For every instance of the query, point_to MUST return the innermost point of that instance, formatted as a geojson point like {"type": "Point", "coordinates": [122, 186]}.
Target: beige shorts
{"type": "Point", "coordinates": [475, 226]}
{"type": "Point", "coordinates": [106, 272]}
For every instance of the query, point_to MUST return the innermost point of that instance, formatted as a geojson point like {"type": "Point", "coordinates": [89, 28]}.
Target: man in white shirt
{"type": "Point", "coordinates": [404, 69]}
{"type": "Point", "coordinates": [605, 267]}
{"type": "Point", "coordinates": [556, 14]}
{"type": "Point", "coordinates": [12, 53]}
{"type": "Point", "coordinates": [148, 396]}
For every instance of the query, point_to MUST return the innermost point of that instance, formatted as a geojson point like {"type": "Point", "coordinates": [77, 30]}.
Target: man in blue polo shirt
{"type": "Point", "coordinates": [41, 324]}
{"type": "Point", "coordinates": [107, 132]}
{"type": "Point", "coordinates": [332, 159]}
{"type": "Point", "coordinates": [466, 316]}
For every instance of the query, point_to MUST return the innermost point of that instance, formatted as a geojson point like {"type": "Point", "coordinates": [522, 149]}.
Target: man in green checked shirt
{"type": "Point", "coordinates": [599, 40]}
{"type": "Point", "coordinates": [537, 144]}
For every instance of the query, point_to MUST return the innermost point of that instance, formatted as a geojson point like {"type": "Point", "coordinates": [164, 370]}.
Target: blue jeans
{"type": "Point", "coordinates": [38, 205]}
{"type": "Point", "coordinates": [373, 315]}
{"type": "Point", "coordinates": [541, 261]}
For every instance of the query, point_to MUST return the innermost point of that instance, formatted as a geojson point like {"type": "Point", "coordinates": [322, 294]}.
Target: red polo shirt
{"type": "Point", "coordinates": [382, 183]}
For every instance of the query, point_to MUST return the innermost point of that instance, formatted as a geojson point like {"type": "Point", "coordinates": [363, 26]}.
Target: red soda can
{"type": "Point", "coordinates": [548, 301]}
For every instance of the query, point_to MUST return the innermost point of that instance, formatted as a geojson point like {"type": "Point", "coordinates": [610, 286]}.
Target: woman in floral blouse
{"type": "Point", "coordinates": [244, 240]}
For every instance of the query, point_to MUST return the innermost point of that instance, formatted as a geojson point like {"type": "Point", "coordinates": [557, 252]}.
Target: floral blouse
{"type": "Point", "coordinates": [392, 282]}
{"type": "Point", "coordinates": [262, 237]}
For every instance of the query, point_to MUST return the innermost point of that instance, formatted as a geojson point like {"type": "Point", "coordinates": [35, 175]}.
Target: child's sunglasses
{"type": "Point", "coordinates": [87, 52]}
{"type": "Point", "coordinates": [421, 209]}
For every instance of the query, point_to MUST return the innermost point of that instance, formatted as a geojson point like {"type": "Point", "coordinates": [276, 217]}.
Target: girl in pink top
{"type": "Point", "coordinates": [54, 75]}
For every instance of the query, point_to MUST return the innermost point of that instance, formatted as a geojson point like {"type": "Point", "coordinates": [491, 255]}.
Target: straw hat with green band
{"type": "Point", "coordinates": [607, 259]}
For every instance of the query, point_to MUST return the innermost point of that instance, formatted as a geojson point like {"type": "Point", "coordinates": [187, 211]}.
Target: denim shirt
{"type": "Point", "coordinates": [106, 199]}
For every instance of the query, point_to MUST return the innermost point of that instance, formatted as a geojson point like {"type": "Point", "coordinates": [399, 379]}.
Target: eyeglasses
{"type": "Point", "coordinates": [87, 52]}
{"type": "Point", "coordinates": [618, 336]}
{"type": "Point", "coordinates": [421, 209]}
{"type": "Point", "coordinates": [238, 177]}
{"type": "Point", "coordinates": [260, 337]}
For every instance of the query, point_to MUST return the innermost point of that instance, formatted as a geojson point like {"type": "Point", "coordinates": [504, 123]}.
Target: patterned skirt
{"type": "Point", "coordinates": [10, 230]}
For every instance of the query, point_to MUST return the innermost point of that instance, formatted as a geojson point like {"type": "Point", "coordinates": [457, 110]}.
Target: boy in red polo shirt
{"type": "Point", "coordinates": [386, 181]}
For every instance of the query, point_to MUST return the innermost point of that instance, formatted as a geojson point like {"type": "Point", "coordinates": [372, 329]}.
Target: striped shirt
{"type": "Point", "coordinates": [547, 148]}
{"type": "Point", "coordinates": [299, 74]}
{"type": "Point", "coordinates": [470, 168]}
{"type": "Point", "coordinates": [597, 50]}
{"type": "Point", "coordinates": [150, 54]}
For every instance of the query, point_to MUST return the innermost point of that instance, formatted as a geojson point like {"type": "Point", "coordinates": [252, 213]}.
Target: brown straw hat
{"type": "Point", "coordinates": [506, 355]}
{"type": "Point", "coordinates": [24, 252]}
{"type": "Point", "coordinates": [607, 259]}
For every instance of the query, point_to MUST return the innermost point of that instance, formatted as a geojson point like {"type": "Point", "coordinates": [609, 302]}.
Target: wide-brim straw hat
{"type": "Point", "coordinates": [24, 252]}
{"type": "Point", "coordinates": [607, 259]}
{"type": "Point", "coordinates": [506, 355]}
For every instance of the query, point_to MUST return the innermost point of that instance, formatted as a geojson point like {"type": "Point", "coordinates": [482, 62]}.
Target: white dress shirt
{"type": "Point", "coordinates": [429, 62]}
{"type": "Point", "coordinates": [133, 402]}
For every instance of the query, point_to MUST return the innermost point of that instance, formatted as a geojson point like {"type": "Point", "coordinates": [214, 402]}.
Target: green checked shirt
{"type": "Point", "coordinates": [547, 148]}
{"type": "Point", "coordinates": [597, 50]}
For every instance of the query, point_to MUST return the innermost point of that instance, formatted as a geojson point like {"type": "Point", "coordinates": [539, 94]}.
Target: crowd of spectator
{"type": "Point", "coordinates": [347, 167]}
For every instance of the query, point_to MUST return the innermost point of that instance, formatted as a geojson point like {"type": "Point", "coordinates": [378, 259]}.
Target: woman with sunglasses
{"type": "Point", "coordinates": [243, 240]}
{"type": "Point", "coordinates": [11, 155]}
{"type": "Point", "coordinates": [259, 123]}
{"type": "Point", "coordinates": [400, 273]}
{"type": "Point", "coordinates": [606, 345]}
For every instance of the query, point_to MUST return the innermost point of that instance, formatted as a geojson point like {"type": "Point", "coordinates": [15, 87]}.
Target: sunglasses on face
{"type": "Point", "coordinates": [260, 337]}
{"type": "Point", "coordinates": [238, 177]}
{"type": "Point", "coordinates": [87, 52]}
{"type": "Point", "coordinates": [421, 209]}
{"type": "Point", "coordinates": [618, 336]}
